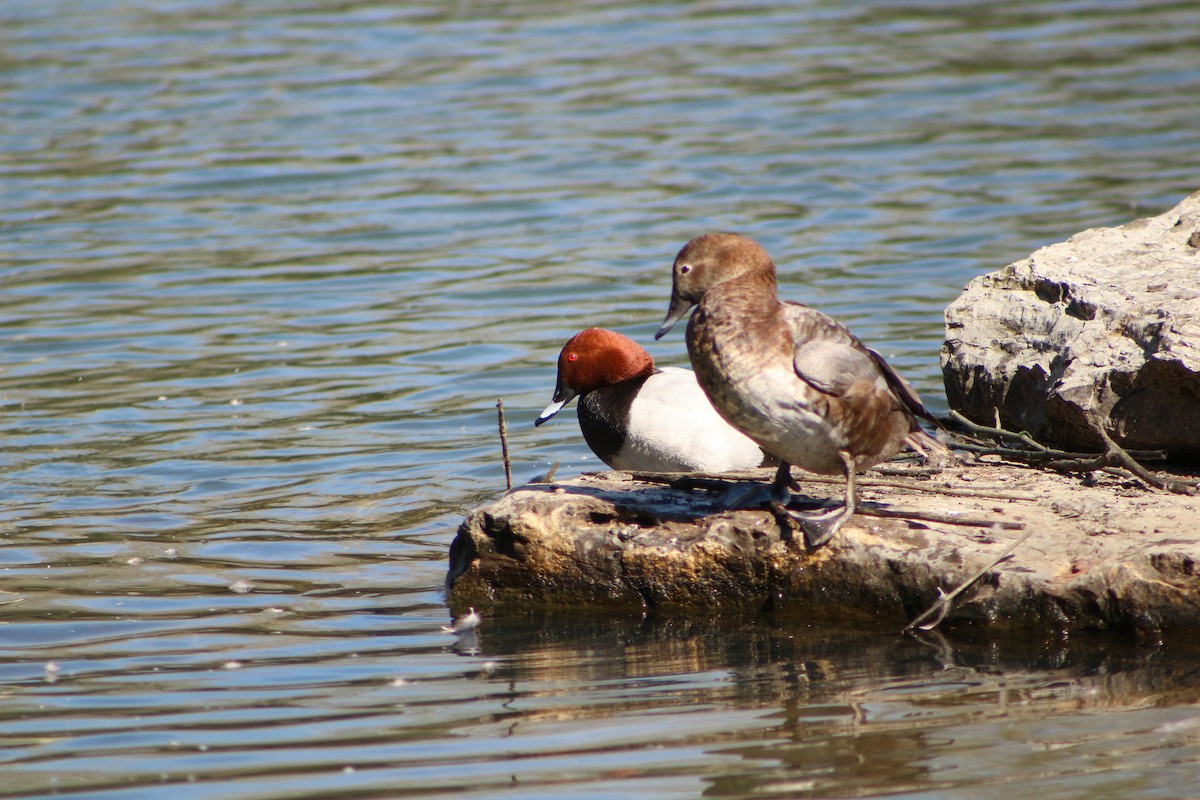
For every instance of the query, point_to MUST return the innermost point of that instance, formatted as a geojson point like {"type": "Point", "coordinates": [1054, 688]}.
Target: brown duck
{"type": "Point", "coordinates": [794, 380]}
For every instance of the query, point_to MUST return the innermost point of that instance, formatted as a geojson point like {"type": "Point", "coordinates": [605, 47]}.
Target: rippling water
{"type": "Point", "coordinates": [266, 268]}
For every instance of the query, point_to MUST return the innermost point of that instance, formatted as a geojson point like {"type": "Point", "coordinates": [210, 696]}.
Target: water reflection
{"type": "Point", "coordinates": [807, 712]}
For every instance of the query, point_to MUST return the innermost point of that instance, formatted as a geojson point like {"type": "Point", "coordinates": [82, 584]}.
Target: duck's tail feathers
{"type": "Point", "coordinates": [906, 393]}
{"type": "Point", "coordinates": [936, 453]}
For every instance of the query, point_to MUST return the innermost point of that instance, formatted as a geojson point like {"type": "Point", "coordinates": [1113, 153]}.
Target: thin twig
{"type": "Point", "coordinates": [932, 516]}
{"type": "Point", "coordinates": [909, 472]}
{"type": "Point", "coordinates": [1036, 450]}
{"type": "Point", "coordinates": [1047, 454]}
{"type": "Point", "coordinates": [941, 608]}
{"type": "Point", "coordinates": [719, 483]}
{"type": "Point", "coordinates": [1088, 464]}
{"type": "Point", "coordinates": [1117, 456]}
{"type": "Point", "coordinates": [929, 488]}
{"type": "Point", "coordinates": [504, 444]}
{"type": "Point", "coordinates": [996, 432]}
{"type": "Point", "coordinates": [1040, 457]}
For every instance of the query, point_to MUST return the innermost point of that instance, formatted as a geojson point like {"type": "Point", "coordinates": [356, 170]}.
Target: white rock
{"type": "Point", "coordinates": [1106, 324]}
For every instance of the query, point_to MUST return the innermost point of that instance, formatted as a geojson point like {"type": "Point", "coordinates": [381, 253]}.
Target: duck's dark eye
{"type": "Point", "coordinates": [684, 269]}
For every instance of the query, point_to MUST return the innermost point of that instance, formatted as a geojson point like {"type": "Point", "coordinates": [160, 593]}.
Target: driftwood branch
{"type": "Point", "coordinates": [933, 616]}
{"type": "Point", "coordinates": [1119, 457]}
{"type": "Point", "coordinates": [1115, 459]}
{"type": "Point", "coordinates": [721, 484]}
{"type": "Point", "coordinates": [1032, 450]}
{"type": "Point", "coordinates": [944, 519]}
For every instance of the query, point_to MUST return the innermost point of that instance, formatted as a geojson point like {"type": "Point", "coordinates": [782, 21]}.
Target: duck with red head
{"type": "Point", "coordinates": [636, 417]}
{"type": "Point", "coordinates": [794, 380]}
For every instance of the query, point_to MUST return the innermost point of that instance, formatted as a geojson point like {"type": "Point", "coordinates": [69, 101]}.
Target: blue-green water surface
{"type": "Point", "coordinates": [266, 267]}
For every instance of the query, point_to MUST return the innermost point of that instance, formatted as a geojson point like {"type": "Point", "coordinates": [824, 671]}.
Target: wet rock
{"type": "Point", "coordinates": [1104, 326]}
{"type": "Point", "coordinates": [1095, 561]}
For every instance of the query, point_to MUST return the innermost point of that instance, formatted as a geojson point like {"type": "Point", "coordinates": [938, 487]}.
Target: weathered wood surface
{"type": "Point", "coordinates": [1105, 554]}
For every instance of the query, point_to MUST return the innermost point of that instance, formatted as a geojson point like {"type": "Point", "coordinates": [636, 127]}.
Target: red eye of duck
{"type": "Point", "coordinates": [572, 356]}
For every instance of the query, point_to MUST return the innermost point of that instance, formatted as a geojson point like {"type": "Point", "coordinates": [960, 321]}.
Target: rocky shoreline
{"type": "Point", "coordinates": [1105, 553]}
{"type": "Point", "coordinates": [1102, 330]}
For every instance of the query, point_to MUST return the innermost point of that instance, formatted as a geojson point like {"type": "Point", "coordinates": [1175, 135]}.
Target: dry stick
{"type": "Point", "coordinates": [690, 482]}
{"type": "Point", "coordinates": [913, 472]}
{"type": "Point", "coordinates": [1118, 456]}
{"type": "Point", "coordinates": [504, 444]}
{"type": "Point", "coordinates": [928, 488]}
{"type": "Point", "coordinates": [1037, 452]}
{"type": "Point", "coordinates": [932, 516]}
{"type": "Point", "coordinates": [942, 607]}
{"type": "Point", "coordinates": [721, 482]}
{"type": "Point", "coordinates": [996, 431]}
{"type": "Point", "coordinates": [1115, 459]}
{"type": "Point", "coordinates": [1047, 455]}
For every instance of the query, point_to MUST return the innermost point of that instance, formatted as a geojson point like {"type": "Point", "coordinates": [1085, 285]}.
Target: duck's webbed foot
{"type": "Point", "coordinates": [778, 497]}
{"type": "Point", "coordinates": [745, 494]}
{"type": "Point", "coordinates": [820, 527]}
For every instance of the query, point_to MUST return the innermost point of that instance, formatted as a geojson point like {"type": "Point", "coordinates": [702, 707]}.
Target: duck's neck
{"type": "Point", "coordinates": [736, 329]}
{"type": "Point", "coordinates": [752, 297]}
{"type": "Point", "coordinates": [766, 290]}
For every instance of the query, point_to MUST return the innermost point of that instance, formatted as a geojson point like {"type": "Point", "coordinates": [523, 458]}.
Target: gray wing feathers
{"type": "Point", "coordinates": [833, 367]}
{"type": "Point", "coordinates": [832, 358]}
{"type": "Point", "coordinates": [827, 354]}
